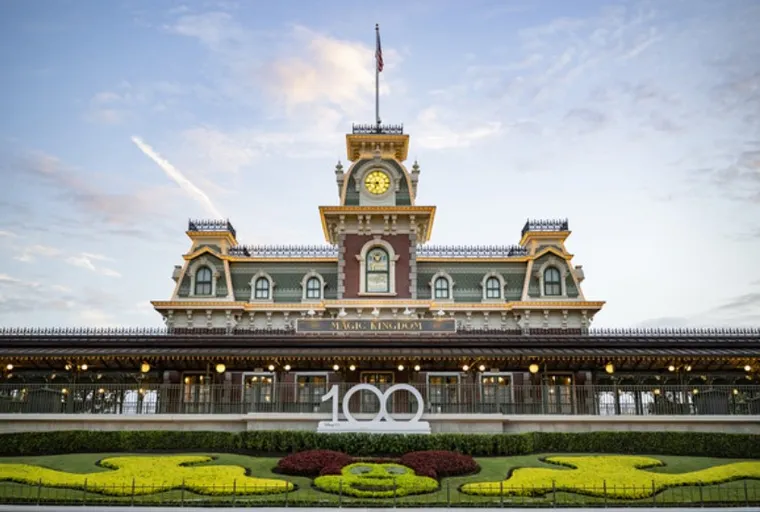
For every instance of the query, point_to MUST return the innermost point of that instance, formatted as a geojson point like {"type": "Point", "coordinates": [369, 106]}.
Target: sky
{"type": "Point", "coordinates": [639, 121]}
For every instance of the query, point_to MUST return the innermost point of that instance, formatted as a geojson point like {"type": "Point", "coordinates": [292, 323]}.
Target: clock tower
{"type": "Point", "coordinates": [377, 224]}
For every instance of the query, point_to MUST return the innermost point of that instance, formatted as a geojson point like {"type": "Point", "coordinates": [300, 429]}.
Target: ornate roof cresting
{"type": "Point", "coordinates": [546, 225]}
{"type": "Point", "coordinates": [284, 251]}
{"type": "Point", "coordinates": [664, 332]}
{"type": "Point", "coordinates": [386, 129]}
{"type": "Point", "coordinates": [471, 251]}
{"type": "Point", "coordinates": [211, 225]}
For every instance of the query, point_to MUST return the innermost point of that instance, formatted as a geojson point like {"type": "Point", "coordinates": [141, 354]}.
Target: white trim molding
{"type": "Point", "coordinates": [561, 266]}
{"type": "Point", "coordinates": [502, 286]}
{"type": "Point", "coordinates": [194, 267]}
{"type": "Point", "coordinates": [445, 275]}
{"type": "Point", "coordinates": [377, 241]}
{"type": "Point", "coordinates": [252, 283]}
{"type": "Point", "coordinates": [309, 275]}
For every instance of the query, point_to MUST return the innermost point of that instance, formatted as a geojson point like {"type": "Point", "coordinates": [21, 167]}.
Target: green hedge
{"type": "Point", "coordinates": [282, 442]}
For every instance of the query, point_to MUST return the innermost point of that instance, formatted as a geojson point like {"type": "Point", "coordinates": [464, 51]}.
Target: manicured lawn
{"type": "Point", "coordinates": [492, 469]}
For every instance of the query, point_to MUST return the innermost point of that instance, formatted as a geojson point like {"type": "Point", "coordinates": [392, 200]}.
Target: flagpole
{"type": "Point", "coordinates": [377, 75]}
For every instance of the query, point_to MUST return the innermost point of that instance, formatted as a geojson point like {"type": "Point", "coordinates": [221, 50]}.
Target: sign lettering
{"type": "Point", "coordinates": [358, 326]}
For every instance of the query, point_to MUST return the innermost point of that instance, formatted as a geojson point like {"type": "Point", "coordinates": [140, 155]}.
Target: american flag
{"type": "Point", "coordinates": [378, 51]}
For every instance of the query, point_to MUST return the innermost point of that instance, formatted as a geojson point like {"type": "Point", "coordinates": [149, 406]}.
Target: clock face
{"type": "Point", "coordinates": [377, 182]}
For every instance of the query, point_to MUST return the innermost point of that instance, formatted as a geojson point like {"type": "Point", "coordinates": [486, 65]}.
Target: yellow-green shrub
{"type": "Point", "coordinates": [150, 475]}
{"type": "Point", "coordinates": [616, 476]}
{"type": "Point", "coordinates": [376, 480]}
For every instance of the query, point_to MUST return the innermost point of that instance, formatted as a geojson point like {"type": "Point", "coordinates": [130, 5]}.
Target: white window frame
{"type": "Point", "coordinates": [273, 375]}
{"type": "Point", "coordinates": [315, 275]}
{"type": "Point", "coordinates": [442, 275]}
{"type": "Point", "coordinates": [193, 269]}
{"type": "Point", "coordinates": [558, 264]}
{"type": "Point", "coordinates": [377, 241]}
{"type": "Point", "coordinates": [458, 375]}
{"type": "Point", "coordinates": [502, 286]}
{"type": "Point", "coordinates": [296, 395]}
{"type": "Point", "coordinates": [511, 386]}
{"type": "Point", "coordinates": [258, 275]}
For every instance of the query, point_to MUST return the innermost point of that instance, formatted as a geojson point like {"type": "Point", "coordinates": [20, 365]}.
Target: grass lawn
{"type": "Point", "coordinates": [492, 469]}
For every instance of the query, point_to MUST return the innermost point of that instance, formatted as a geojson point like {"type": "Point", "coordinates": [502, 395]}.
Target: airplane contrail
{"type": "Point", "coordinates": [179, 178]}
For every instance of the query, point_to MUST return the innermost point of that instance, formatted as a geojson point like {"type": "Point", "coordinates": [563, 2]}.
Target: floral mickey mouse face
{"type": "Point", "coordinates": [376, 480]}
{"type": "Point", "coordinates": [412, 473]}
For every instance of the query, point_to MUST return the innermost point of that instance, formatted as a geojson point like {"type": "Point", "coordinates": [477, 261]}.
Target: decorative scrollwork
{"type": "Point", "coordinates": [284, 251]}
{"type": "Point", "coordinates": [211, 225]}
{"type": "Point", "coordinates": [546, 225]}
{"type": "Point", "coordinates": [471, 251]}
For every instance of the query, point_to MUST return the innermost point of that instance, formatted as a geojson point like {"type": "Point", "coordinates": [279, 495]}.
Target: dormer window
{"type": "Point", "coordinates": [552, 282]}
{"type": "Point", "coordinates": [261, 289]}
{"type": "Point", "coordinates": [378, 271]}
{"type": "Point", "coordinates": [313, 288]}
{"type": "Point", "coordinates": [493, 285]}
{"type": "Point", "coordinates": [441, 288]}
{"type": "Point", "coordinates": [203, 281]}
{"type": "Point", "coordinates": [493, 288]}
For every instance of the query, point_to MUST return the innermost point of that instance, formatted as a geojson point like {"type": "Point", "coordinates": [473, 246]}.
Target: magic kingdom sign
{"type": "Point", "coordinates": [444, 325]}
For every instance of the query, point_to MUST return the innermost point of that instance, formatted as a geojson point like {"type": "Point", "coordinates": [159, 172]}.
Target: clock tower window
{"type": "Point", "coordinates": [378, 271]}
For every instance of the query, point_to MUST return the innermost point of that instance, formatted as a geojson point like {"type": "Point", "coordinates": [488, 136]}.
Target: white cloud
{"type": "Point", "coordinates": [7, 234]}
{"type": "Point", "coordinates": [189, 187]}
{"type": "Point", "coordinates": [95, 317]}
{"type": "Point", "coordinates": [122, 102]}
{"type": "Point", "coordinates": [335, 71]}
{"type": "Point", "coordinates": [87, 192]}
{"type": "Point", "coordinates": [300, 68]}
{"type": "Point", "coordinates": [436, 134]}
{"type": "Point", "coordinates": [220, 151]}
{"type": "Point", "coordinates": [85, 260]}
{"type": "Point", "coordinates": [30, 253]}
{"type": "Point", "coordinates": [5, 278]}
{"type": "Point", "coordinates": [214, 29]}
{"type": "Point", "coordinates": [98, 257]}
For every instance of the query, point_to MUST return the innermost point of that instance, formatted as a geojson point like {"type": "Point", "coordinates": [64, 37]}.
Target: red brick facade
{"type": "Point", "coordinates": [352, 269]}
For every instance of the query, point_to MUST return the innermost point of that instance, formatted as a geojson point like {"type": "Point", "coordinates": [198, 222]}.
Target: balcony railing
{"type": "Point", "coordinates": [261, 397]}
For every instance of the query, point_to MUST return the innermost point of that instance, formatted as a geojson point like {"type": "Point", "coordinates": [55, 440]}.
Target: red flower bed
{"type": "Point", "coordinates": [312, 462]}
{"type": "Point", "coordinates": [435, 463]}
{"type": "Point", "coordinates": [439, 463]}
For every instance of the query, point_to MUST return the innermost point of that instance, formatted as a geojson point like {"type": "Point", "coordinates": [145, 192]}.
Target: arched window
{"type": "Point", "coordinates": [261, 288]}
{"type": "Point", "coordinates": [493, 288]}
{"type": "Point", "coordinates": [203, 281]}
{"type": "Point", "coordinates": [552, 283]}
{"type": "Point", "coordinates": [378, 271]}
{"type": "Point", "coordinates": [313, 288]}
{"type": "Point", "coordinates": [441, 288]}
